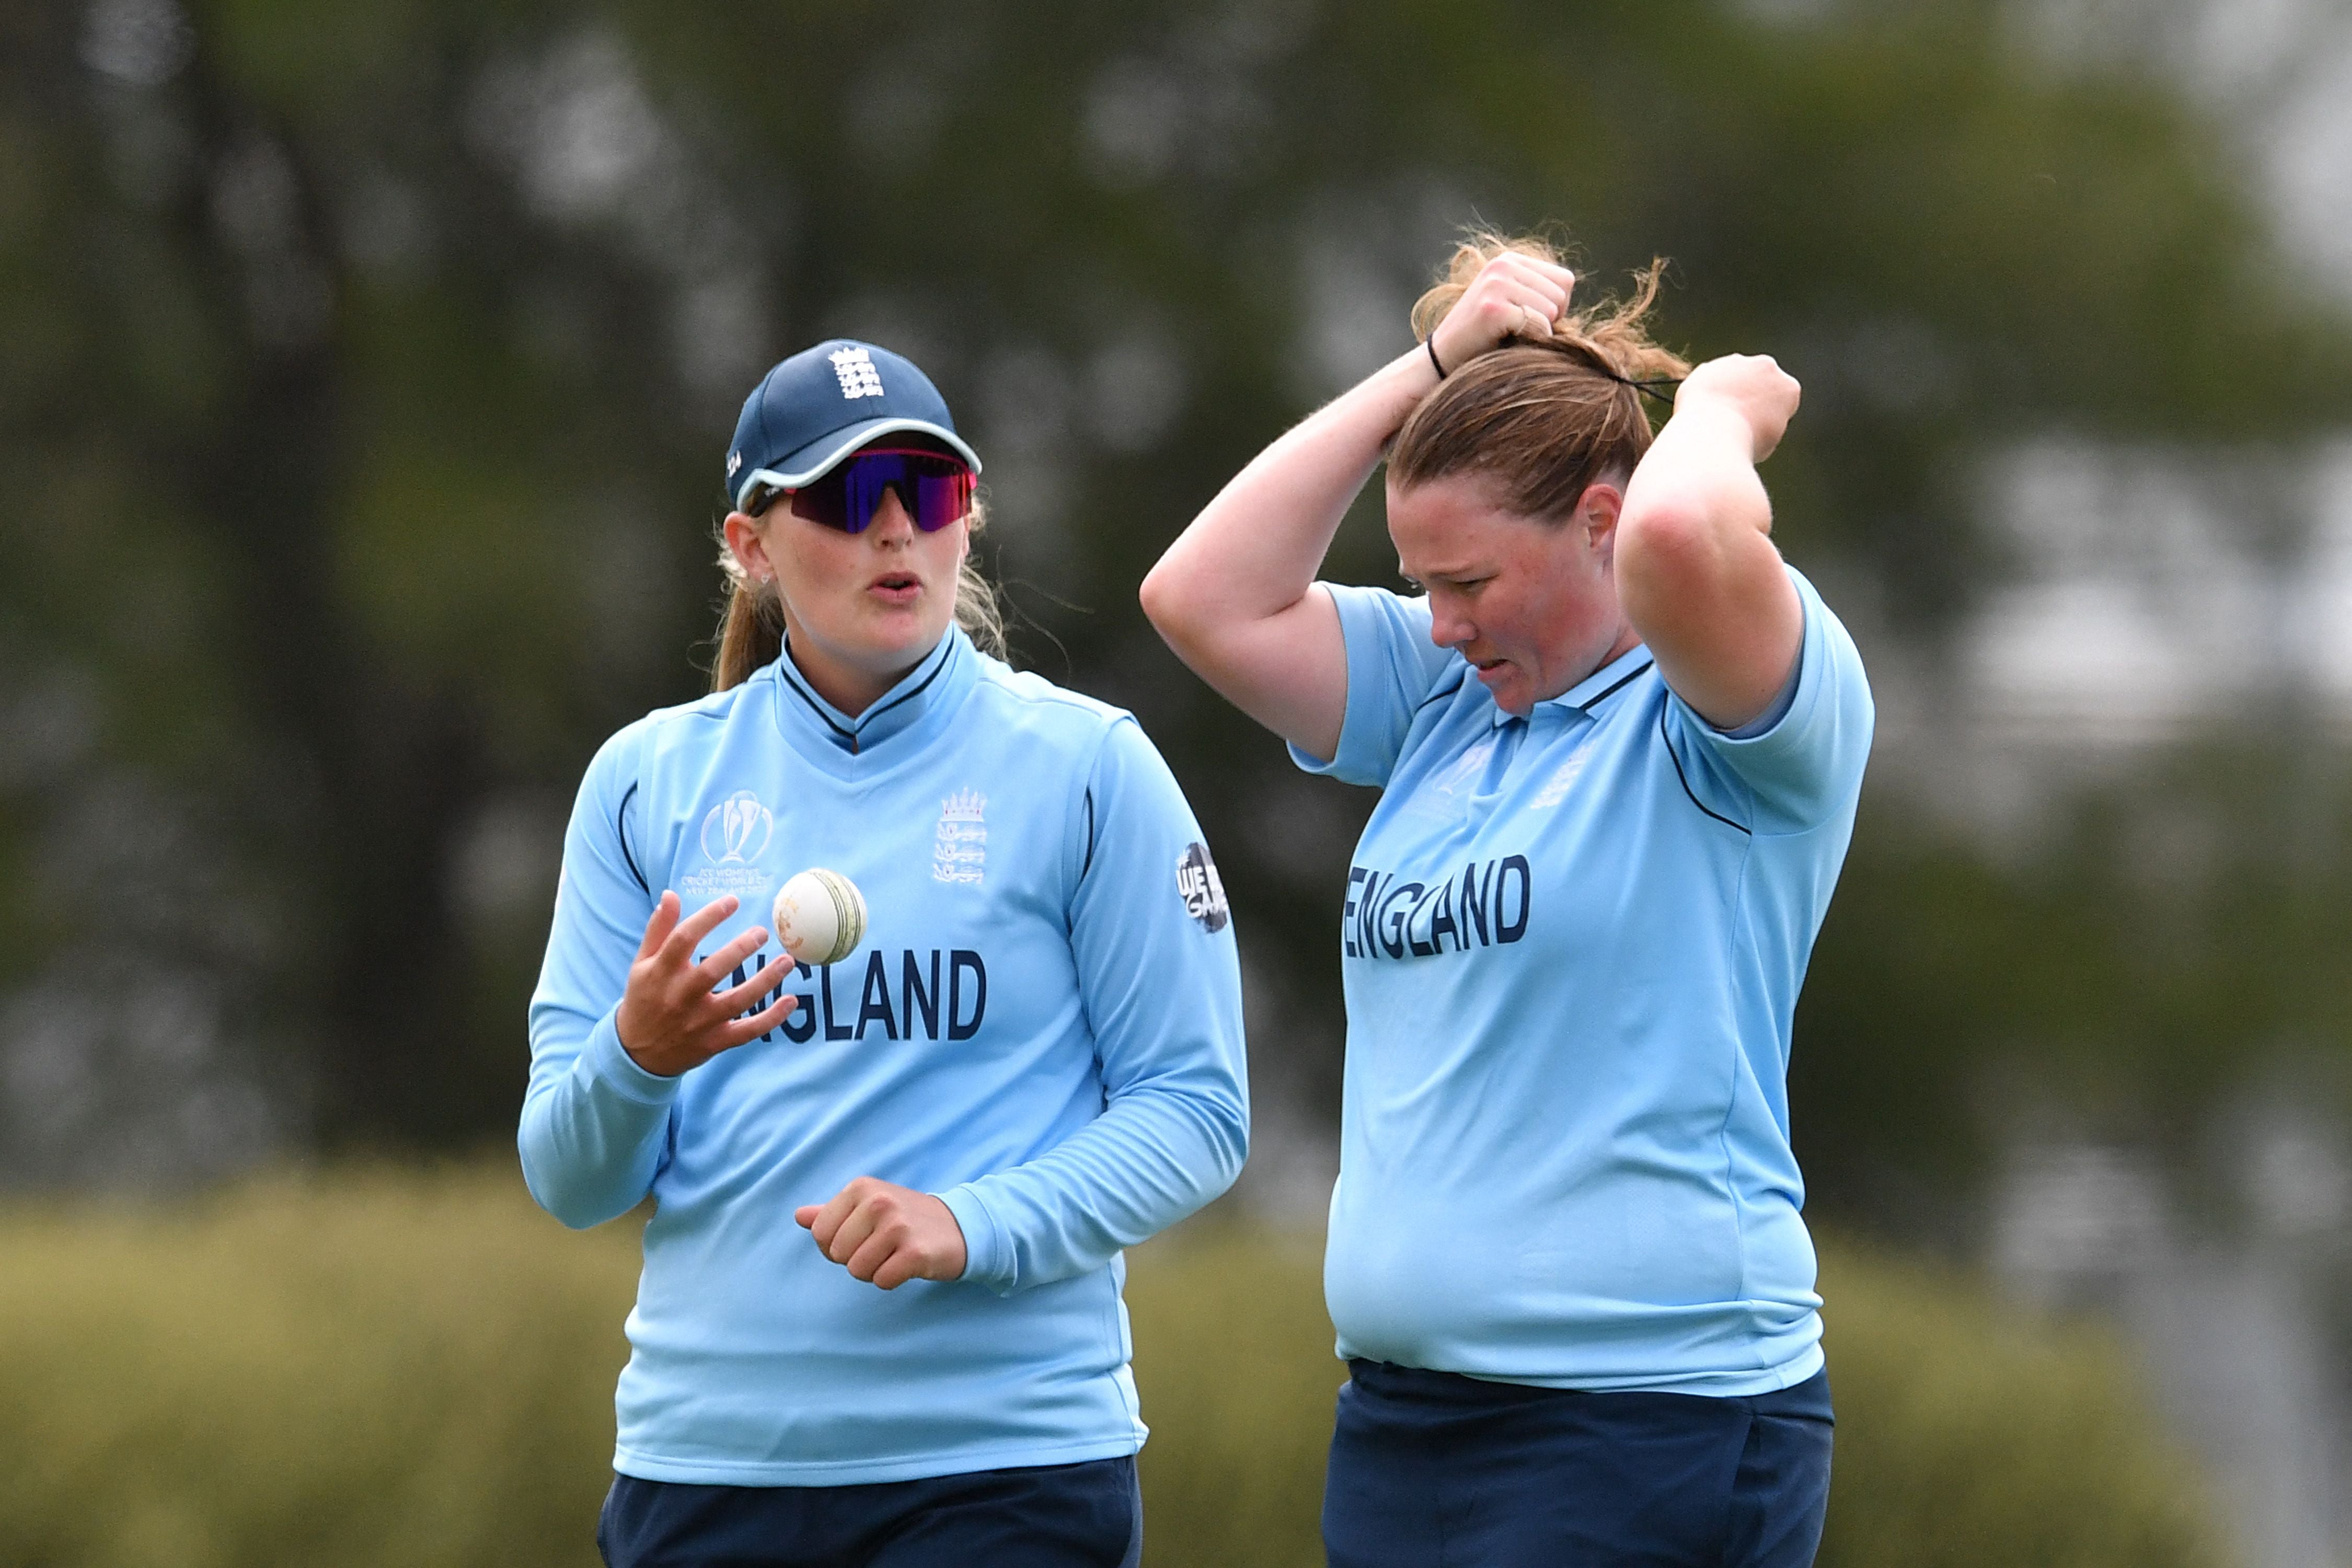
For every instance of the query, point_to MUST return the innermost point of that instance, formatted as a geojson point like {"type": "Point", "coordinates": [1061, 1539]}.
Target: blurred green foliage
{"type": "Point", "coordinates": [2173, 935]}
{"type": "Point", "coordinates": [365, 370]}
{"type": "Point", "coordinates": [396, 1368]}
{"type": "Point", "coordinates": [372, 1369]}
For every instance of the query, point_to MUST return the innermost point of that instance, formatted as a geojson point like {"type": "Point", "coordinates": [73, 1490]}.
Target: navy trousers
{"type": "Point", "coordinates": [1055, 1515]}
{"type": "Point", "coordinates": [1434, 1470]}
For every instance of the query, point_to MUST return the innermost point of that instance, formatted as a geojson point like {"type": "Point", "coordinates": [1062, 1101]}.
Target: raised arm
{"type": "Point", "coordinates": [622, 1008]}
{"type": "Point", "coordinates": [1235, 594]}
{"type": "Point", "coordinates": [1696, 570]}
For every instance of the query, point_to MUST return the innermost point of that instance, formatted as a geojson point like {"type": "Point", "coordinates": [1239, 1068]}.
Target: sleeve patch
{"type": "Point", "coordinates": [1202, 890]}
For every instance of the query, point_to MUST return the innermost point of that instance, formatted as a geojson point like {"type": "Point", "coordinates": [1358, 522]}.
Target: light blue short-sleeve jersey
{"type": "Point", "coordinates": [1042, 1026]}
{"type": "Point", "coordinates": [1571, 946]}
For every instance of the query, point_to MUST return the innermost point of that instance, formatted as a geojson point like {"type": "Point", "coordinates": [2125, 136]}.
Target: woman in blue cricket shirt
{"type": "Point", "coordinates": [879, 1318]}
{"type": "Point", "coordinates": [1620, 743]}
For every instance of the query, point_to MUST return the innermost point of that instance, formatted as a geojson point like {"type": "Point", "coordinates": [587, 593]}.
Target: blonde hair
{"type": "Point", "coordinates": [1542, 418]}
{"type": "Point", "coordinates": [751, 628]}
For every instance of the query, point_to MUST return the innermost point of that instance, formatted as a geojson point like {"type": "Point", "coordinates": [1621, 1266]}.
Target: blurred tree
{"type": "Point", "coordinates": [364, 373]}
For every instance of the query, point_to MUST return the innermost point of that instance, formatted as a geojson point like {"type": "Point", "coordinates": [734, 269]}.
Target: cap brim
{"type": "Point", "coordinates": [820, 456]}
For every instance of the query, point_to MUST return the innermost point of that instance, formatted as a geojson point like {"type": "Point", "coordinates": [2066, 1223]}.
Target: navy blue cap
{"type": "Point", "coordinates": [815, 408]}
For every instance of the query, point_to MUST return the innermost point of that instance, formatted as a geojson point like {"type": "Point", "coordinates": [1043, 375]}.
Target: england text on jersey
{"type": "Point", "coordinates": [958, 1009]}
{"type": "Point", "coordinates": [1386, 917]}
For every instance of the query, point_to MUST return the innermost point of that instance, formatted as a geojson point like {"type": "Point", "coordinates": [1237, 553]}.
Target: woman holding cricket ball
{"type": "Point", "coordinates": [893, 1164]}
{"type": "Point", "coordinates": [1619, 742]}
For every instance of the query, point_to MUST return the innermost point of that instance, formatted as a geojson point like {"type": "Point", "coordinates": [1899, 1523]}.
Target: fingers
{"type": "Point", "coordinates": [824, 1224]}
{"type": "Point", "coordinates": [1532, 269]}
{"type": "Point", "coordinates": [1753, 378]}
{"type": "Point", "coordinates": [887, 1235]}
{"type": "Point", "coordinates": [851, 1232]}
{"type": "Point", "coordinates": [1520, 313]}
{"type": "Point", "coordinates": [1550, 272]}
{"type": "Point", "coordinates": [743, 1031]}
{"type": "Point", "coordinates": [893, 1252]}
{"type": "Point", "coordinates": [1539, 289]}
{"type": "Point", "coordinates": [722, 961]}
{"type": "Point", "coordinates": [1754, 388]}
{"type": "Point", "coordinates": [696, 926]}
{"type": "Point", "coordinates": [663, 921]}
{"type": "Point", "coordinates": [1513, 296]}
{"type": "Point", "coordinates": [759, 984]}
{"type": "Point", "coordinates": [765, 982]}
{"type": "Point", "coordinates": [673, 1017]}
{"type": "Point", "coordinates": [886, 1262]}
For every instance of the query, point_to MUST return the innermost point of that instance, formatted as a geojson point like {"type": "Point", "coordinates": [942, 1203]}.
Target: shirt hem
{"type": "Point", "coordinates": [1741, 1384]}
{"type": "Point", "coordinates": [847, 1472]}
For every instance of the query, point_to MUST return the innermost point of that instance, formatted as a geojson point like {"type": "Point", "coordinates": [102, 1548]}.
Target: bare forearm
{"type": "Point", "coordinates": [1701, 468]}
{"type": "Point", "coordinates": [1253, 551]}
{"type": "Point", "coordinates": [1696, 570]}
{"type": "Point", "coordinates": [1235, 595]}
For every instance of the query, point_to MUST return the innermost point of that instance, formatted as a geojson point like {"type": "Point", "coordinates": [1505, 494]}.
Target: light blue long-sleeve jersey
{"type": "Point", "coordinates": [1571, 945]}
{"type": "Point", "coordinates": [1042, 1026]}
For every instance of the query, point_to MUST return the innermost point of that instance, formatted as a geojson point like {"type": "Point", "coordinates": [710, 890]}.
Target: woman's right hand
{"type": "Point", "coordinates": [672, 1015]}
{"type": "Point", "coordinates": [1512, 296]}
{"type": "Point", "coordinates": [1235, 596]}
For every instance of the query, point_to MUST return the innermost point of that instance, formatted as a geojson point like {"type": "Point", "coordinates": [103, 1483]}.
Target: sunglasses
{"type": "Point", "coordinates": [935, 489]}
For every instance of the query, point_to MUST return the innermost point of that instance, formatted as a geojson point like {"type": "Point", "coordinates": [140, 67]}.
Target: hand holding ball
{"type": "Point", "coordinates": [820, 916]}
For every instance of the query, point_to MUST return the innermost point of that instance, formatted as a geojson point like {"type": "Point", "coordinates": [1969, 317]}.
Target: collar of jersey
{"type": "Point", "coordinates": [1603, 682]}
{"type": "Point", "coordinates": [824, 731]}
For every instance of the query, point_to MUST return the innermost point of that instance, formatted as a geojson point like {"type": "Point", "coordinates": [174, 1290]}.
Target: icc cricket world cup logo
{"type": "Point", "coordinates": [737, 829]}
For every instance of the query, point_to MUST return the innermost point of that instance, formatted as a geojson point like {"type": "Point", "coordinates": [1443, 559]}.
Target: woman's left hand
{"type": "Point", "coordinates": [887, 1233]}
{"type": "Point", "coordinates": [1696, 570]}
{"type": "Point", "coordinates": [1753, 386]}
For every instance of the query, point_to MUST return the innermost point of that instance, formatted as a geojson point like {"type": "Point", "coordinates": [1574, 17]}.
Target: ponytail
{"type": "Point", "coordinates": [1539, 417]}
{"type": "Point", "coordinates": [750, 632]}
{"type": "Point", "coordinates": [978, 610]}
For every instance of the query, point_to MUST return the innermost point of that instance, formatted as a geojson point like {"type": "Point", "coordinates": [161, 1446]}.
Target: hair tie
{"type": "Point", "coordinates": [1429, 342]}
{"type": "Point", "coordinates": [1648, 386]}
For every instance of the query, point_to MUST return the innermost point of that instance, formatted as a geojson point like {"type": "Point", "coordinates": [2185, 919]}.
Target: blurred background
{"type": "Point", "coordinates": [365, 375]}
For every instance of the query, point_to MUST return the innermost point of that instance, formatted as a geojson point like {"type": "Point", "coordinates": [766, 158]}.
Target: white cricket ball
{"type": "Point", "coordinates": [820, 916]}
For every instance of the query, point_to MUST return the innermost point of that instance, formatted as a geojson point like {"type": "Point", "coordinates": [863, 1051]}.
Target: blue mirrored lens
{"type": "Point", "coordinates": [935, 490]}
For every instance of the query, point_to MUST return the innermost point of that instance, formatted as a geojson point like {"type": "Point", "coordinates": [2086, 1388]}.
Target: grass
{"type": "Point", "coordinates": [417, 1368]}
